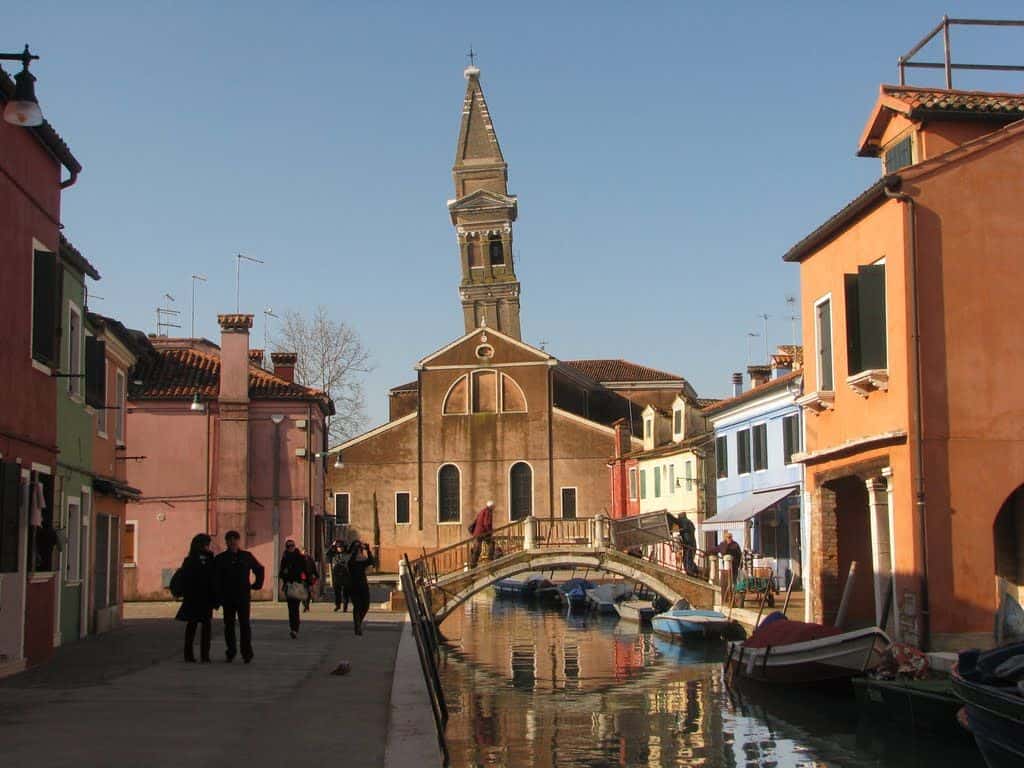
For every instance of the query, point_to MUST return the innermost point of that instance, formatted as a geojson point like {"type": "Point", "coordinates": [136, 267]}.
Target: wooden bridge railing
{"type": "Point", "coordinates": [507, 539]}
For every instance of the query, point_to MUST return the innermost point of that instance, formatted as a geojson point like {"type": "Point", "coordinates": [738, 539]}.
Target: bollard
{"type": "Point", "coordinates": [401, 573]}
{"type": "Point", "coordinates": [712, 569]}
{"type": "Point", "coordinates": [529, 533]}
{"type": "Point", "coordinates": [599, 531]}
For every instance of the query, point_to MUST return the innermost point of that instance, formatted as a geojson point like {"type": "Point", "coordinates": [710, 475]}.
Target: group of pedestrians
{"type": "Point", "coordinates": [206, 582]}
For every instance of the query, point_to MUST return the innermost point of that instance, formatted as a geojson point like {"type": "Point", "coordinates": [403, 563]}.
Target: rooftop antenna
{"type": "Point", "coordinates": [791, 303]}
{"type": "Point", "coordinates": [238, 274]}
{"type": "Point", "coordinates": [543, 344]}
{"type": "Point", "coordinates": [194, 278]}
{"type": "Point", "coordinates": [166, 317]}
{"type": "Point", "coordinates": [751, 335]}
{"type": "Point", "coordinates": [267, 314]}
{"type": "Point", "coordinates": [764, 317]}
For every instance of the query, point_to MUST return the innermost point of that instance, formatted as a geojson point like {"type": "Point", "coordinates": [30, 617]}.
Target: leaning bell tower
{"type": "Point", "coordinates": [483, 213]}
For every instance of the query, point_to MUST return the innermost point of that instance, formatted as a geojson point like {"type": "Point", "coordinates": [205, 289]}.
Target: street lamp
{"type": "Point", "coordinates": [23, 108]}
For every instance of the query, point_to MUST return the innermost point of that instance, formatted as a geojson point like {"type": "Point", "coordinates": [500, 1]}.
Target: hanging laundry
{"type": "Point", "coordinates": [38, 504]}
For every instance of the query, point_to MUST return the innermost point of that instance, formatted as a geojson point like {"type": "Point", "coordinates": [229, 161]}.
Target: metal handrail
{"type": "Point", "coordinates": [440, 562]}
{"type": "Point", "coordinates": [904, 62]}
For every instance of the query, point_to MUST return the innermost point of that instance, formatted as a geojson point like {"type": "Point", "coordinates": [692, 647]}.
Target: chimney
{"type": "Point", "coordinates": [256, 357]}
{"type": "Point", "coordinates": [234, 357]}
{"type": "Point", "coordinates": [622, 438]}
{"type": "Point", "coordinates": [737, 384]}
{"type": "Point", "coordinates": [759, 374]}
{"type": "Point", "coordinates": [284, 365]}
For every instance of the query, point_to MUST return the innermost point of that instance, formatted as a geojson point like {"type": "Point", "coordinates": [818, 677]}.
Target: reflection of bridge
{"type": "Point", "coordinates": [542, 544]}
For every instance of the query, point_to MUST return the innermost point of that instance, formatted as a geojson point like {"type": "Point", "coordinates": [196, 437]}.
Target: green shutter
{"type": "Point", "coordinates": [871, 303]}
{"type": "Point", "coordinates": [45, 307]}
{"type": "Point", "coordinates": [853, 348]}
{"type": "Point", "coordinates": [95, 372]}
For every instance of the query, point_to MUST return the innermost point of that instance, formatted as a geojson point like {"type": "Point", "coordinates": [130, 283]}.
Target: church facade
{"type": "Point", "coordinates": [488, 417]}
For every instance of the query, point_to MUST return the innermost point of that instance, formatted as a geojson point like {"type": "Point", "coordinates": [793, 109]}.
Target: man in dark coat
{"type": "Point", "coordinates": [232, 570]}
{"type": "Point", "coordinates": [688, 538]}
{"type": "Point", "coordinates": [730, 547]}
{"type": "Point", "coordinates": [194, 581]}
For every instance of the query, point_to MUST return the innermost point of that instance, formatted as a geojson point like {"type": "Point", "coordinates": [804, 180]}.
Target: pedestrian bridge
{"type": "Point", "coordinates": [445, 580]}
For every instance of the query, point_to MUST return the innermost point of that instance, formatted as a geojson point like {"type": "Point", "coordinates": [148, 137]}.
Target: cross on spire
{"type": "Point", "coordinates": [471, 56]}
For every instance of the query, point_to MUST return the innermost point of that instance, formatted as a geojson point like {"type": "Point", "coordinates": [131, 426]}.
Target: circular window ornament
{"type": "Point", "coordinates": [485, 351]}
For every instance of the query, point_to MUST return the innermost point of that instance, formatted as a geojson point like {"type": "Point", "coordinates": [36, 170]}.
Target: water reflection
{"type": "Point", "coordinates": [532, 687]}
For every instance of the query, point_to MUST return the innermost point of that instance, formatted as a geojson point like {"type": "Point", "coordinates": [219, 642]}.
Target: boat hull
{"type": "Point", "coordinates": [635, 610]}
{"type": "Point", "coordinates": [994, 714]}
{"type": "Point", "coordinates": [929, 704]}
{"type": "Point", "coordinates": [691, 625]}
{"type": "Point", "coordinates": [826, 659]}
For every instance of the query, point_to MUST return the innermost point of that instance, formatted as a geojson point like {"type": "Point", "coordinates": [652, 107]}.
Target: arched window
{"type": "Point", "coordinates": [449, 494]}
{"type": "Point", "coordinates": [496, 250]}
{"type": "Point", "coordinates": [457, 399]}
{"type": "Point", "coordinates": [485, 392]}
{"type": "Point", "coordinates": [520, 491]}
{"type": "Point", "coordinates": [512, 398]}
{"type": "Point", "coordinates": [472, 253]}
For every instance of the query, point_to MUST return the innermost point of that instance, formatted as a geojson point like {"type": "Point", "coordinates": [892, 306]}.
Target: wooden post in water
{"type": "Point", "coordinates": [789, 593]}
{"type": "Point", "coordinates": [847, 589]}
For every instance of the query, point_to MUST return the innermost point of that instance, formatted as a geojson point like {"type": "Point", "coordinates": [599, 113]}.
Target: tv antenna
{"type": "Point", "coordinates": [238, 274]}
{"type": "Point", "coordinates": [791, 303]}
{"type": "Point", "coordinates": [267, 314]}
{"type": "Point", "coordinates": [166, 316]}
{"type": "Point", "coordinates": [201, 278]}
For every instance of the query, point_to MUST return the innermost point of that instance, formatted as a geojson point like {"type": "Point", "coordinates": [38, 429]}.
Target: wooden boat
{"type": "Point", "coordinates": [526, 585]}
{"type": "Point", "coordinates": [830, 655]}
{"type": "Point", "coordinates": [640, 611]}
{"type": "Point", "coordinates": [691, 624]}
{"type": "Point", "coordinates": [930, 704]}
{"type": "Point", "coordinates": [603, 597]}
{"type": "Point", "coordinates": [993, 704]}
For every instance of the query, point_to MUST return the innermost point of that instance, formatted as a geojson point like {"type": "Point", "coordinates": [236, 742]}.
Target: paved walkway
{"type": "Point", "coordinates": [127, 699]}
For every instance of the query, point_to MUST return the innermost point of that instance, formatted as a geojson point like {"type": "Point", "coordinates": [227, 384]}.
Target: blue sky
{"type": "Point", "coordinates": [665, 156]}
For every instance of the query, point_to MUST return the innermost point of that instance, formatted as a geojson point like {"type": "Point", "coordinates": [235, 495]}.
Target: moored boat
{"type": "Point", "coordinates": [640, 611]}
{"type": "Point", "coordinates": [691, 624]}
{"type": "Point", "coordinates": [929, 704]}
{"type": "Point", "coordinates": [574, 592]}
{"type": "Point", "coordinates": [991, 686]}
{"type": "Point", "coordinates": [526, 585]}
{"type": "Point", "coordinates": [785, 651]}
{"type": "Point", "coordinates": [603, 597]}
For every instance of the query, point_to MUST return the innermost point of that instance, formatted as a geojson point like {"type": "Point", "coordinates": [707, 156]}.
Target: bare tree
{"type": "Point", "coordinates": [331, 357]}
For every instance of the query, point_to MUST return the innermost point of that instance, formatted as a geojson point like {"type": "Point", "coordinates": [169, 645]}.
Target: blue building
{"type": "Point", "coordinates": [759, 491]}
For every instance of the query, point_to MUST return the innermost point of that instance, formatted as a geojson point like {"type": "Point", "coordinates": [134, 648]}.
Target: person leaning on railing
{"type": "Point", "coordinates": [482, 529]}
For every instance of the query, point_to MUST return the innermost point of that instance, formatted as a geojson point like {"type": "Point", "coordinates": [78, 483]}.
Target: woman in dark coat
{"type": "Point", "coordinates": [360, 558]}
{"type": "Point", "coordinates": [199, 597]}
{"type": "Point", "coordinates": [294, 581]}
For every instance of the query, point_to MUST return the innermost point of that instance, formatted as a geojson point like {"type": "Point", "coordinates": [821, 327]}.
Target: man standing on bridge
{"type": "Point", "coordinates": [481, 529]}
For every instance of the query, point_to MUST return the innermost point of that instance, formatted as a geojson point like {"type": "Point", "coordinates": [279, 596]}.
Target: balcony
{"type": "Point", "coordinates": [822, 400]}
{"type": "Point", "coordinates": [871, 380]}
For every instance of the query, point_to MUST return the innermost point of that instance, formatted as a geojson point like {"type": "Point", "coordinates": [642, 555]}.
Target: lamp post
{"type": "Point", "coordinates": [23, 109]}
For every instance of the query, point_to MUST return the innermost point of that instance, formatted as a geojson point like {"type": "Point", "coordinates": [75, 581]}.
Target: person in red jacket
{"type": "Point", "coordinates": [481, 529]}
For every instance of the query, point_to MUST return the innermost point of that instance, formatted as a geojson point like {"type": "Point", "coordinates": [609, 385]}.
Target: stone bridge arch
{"type": "Point", "coordinates": [452, 590]}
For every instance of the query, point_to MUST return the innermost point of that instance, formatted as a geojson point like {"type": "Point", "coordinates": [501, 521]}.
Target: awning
{"type": "Point", "coordinates": [750, 506]}
{"type": "Point", "coordinates": [111, 487]}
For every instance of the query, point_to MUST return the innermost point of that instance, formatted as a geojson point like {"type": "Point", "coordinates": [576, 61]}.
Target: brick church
{"type": "Point", "coordinates": [489, 416]}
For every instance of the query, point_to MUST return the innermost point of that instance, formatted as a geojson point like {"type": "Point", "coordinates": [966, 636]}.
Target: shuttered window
{"type": "Point", "coordinates": [760, 436]}
{"type": "Point", "coordinates": [865, 319]}
{"type": "Point", "coordinates": [119, 400]}
{"type": "Point", "coordinates": [45, 308]}
{"type": "Point", "coordinates": [743, 451]}
{"type": "Point", "coordinates": [74, 367]}
{"type": "Point", "coordinates": [643, 483]}
{"type": "Point", "coordinates": [823, 330]}
{"type": "Point", "coordinates": [341, 509]}
{"type": "Point", "coordinates": [632, 484]}
{"type": "Point", "coordinates": [722, 455]}
{"type": "Point", "coordinates": [569, 503]}
{"type": "Point", "coordinates": [677, 425]}
{"type": "Point", "coordinates": [10, 485]}
{"type": "Point", "coordinates": [96, 373]}
{"type": "Point", "coordinates": [657, 482]}
{"type": "Point", "coordinates": [402, 507]}
{"type": "Point", "coordinates": [449, 493]}
{"type": "Point", "coordinates": [128, 544]}
{"type": "Point", "coordinates": [899, 155]}
{"type": "Point", "coordinates": [790, 437]}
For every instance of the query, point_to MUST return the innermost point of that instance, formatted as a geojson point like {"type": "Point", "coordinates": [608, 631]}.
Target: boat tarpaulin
{"type": "Point", "coordinates": [750, 506]}
{"type": "Point", "coordinates": [648, 528]}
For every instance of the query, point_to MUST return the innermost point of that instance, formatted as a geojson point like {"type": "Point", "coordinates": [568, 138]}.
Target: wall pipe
{"type": "Point", "coordinates": [891, 191]}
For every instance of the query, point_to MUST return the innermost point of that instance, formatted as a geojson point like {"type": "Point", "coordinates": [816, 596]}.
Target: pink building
{"type": "Point", "coordinates": [220, 443]}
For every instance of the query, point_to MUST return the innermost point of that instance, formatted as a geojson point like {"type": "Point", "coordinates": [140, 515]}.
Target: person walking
{"type": "Point", "coordinates": [294, 583]}
{"type": "Point", "coordinates": [481, 529]}
{"type": "Point", "coordinates": [360, 558]}
{"type": "Point", "coordinates": [237, 575]}
{"type": "Point", "coordinates": [313, 574]}
{"type": "Point", "coordinates": [196, 585]}
{"type": "Point", "coordinates": [341, 580]}
{"type": "Point", "coordinates": [688, 539]}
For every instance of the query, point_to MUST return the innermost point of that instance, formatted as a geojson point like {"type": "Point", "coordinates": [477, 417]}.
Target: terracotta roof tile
{"type": "Point", "coordinates": [412, 386]}
{"type": "Point", "coordinates": [179, 372]}
{"type": "Point", "coordinates": [235, 320]}
{"type": "Point", "coordinates": [620, 371]}
{"type": "Point", "coordinates": [754, 392]}
{"type": "Point", "coordinates": [942, 100]}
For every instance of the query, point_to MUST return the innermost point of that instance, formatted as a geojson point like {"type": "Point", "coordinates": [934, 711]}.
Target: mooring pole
{"type": "Point", "coordinates": [841, 614]}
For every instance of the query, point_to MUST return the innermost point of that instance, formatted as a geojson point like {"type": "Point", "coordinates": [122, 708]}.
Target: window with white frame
{"type": "Point", "coordinates": [130, 543]}
{"type": "Point", "coordinates": [677, 421]}
{"type": "Point", "coordinates": [632, 484]}
{"type": "Point", "coordinates": [722, 456]}
{"type": "Point", "coordinates": [119, 399]}
{"type": "Point", "coordinates": [688, 472]}
{"type": "Point", "coordinates": [74, 362]}
{"type": "Point", "coordinates": [568, 503]}
{"type": "Point", "coordinates": [760, 438]}
{"type": "Point", "coordinates": [341, 508]}
{"type": "Point", "coordinates": [743, 452]}
{"type": "Point", "coordinates": [73, 561]}
{"type": "Point", "coordinates": [657, 482]}
{"type": "Point", "coordinates": [643, 483]}
{"type": "Point", "coordinates": [790, 437]}
{"type": "Point", "coordinates": [823, 342]}
{"type": "Point", "coordinates": [671, 479]}
{"type": "Point", "coordinates": [101, 413]}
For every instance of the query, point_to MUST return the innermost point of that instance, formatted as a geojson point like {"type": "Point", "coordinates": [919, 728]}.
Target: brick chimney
{"type": "Point", "coordinates": [256, 357]}
{"type": "Point", "coordinates": [622, 438]}
{"type": "Point", "coordinates": [737, 384]}
{"type": "Point", "coordinates": [231, 461]}
{"type": "Point", "coordinates": [284, 364]}
{"type": "Point", "coordinates": [759, 374]}
{"type": "Point", "coordinates": [234, 357]}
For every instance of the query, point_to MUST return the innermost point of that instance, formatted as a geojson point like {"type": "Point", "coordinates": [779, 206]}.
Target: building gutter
{"type": "Point", "coordinates": [892, 192]}
{"type": "Point", "coordinates": [866, 200]}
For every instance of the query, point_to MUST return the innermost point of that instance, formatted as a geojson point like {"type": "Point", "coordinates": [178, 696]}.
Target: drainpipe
{"type": "Point", "coordinates": [275, 515]}
{"type": "Point", "coordinates": [70, 180]}
{"type": "Point", "coordinates": [903, 197]}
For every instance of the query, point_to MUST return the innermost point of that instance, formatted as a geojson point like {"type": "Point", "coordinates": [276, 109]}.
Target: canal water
{"type": "Point", "coordinates": [529, 686]}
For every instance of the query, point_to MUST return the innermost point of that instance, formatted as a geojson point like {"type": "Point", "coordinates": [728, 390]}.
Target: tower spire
{"type": "Point", "coordinates": [483, 212]}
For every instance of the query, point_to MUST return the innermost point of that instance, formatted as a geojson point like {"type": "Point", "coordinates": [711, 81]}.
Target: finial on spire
{"type": "Point", "coordinates": [472, 70]}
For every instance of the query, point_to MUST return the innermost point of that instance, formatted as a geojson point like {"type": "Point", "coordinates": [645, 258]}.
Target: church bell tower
{"type": "Point", "coordinates": [482, 213]}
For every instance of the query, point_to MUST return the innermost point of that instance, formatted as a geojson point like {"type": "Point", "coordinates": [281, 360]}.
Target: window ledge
{"type": "Point", "coordinates": [102, 435]}
{"type": "Point", "coordinates": [866, 382]}
{"type": "Point", "coordinates": [41, 367]}
{"type": "Point", "coordinates": [822, 400]}
{"type": "Point", "coordinates": [129, 565]}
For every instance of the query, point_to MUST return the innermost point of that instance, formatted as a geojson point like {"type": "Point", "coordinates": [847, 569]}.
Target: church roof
{"type": "Point", "coordinates": [412, 386]}
{"type": "Point", "coordinates": [478, 143]}
{"type": "Point", "coordinates": [621, 371]}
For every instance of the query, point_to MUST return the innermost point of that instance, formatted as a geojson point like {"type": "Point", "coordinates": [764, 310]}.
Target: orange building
{"type": "Point", "coordinates": [915, 432]}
